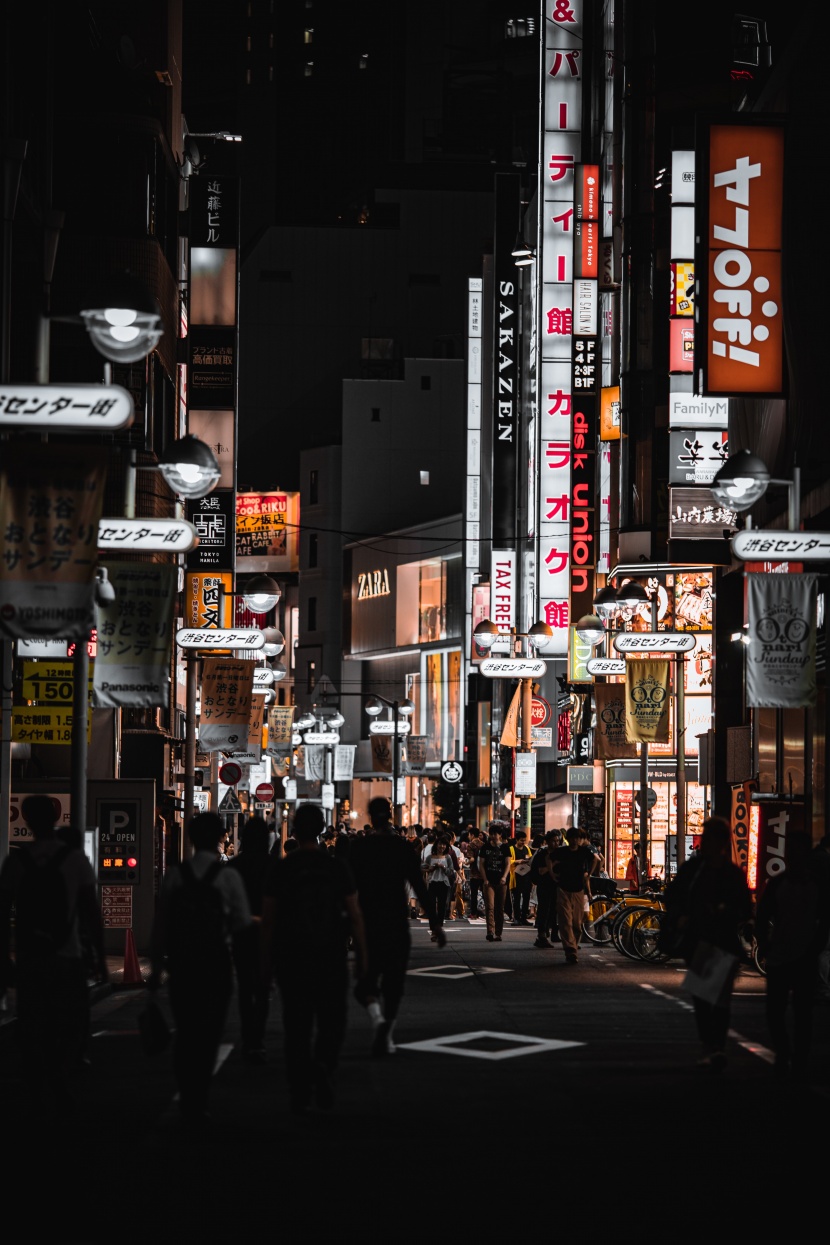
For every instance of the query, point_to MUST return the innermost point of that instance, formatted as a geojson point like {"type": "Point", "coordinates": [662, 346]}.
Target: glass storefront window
{"type": "Point", "coordinates": [439, 706]}
{"type": "Point", "coordinates": [431, 602]}
{"type": "Point", "coordinates": [624, 823]}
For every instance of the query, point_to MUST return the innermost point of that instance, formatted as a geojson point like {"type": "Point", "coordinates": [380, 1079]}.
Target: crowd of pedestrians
{"type": "Point", "coordinates": [287, 913]}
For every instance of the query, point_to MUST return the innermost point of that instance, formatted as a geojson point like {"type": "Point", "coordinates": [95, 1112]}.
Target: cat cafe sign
{"type": "Point", "coordinates": [372, 584]}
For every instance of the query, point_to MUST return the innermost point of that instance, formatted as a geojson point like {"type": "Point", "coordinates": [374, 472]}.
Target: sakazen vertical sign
{"type": "Point", "coordinates": [505, 362]}
{"type": "Point", "coordinates": [561, 126]}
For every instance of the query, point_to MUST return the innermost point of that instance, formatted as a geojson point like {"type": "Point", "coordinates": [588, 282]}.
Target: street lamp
{"type": "Point", "coordinates": [590, 629]}
{"type": "Point", "coordinates": [261, 593]}
{"type": "Point", "coordinates": [190, 467]}
{"type": "Point", "coordinates": [274, 641]}
{"type": "Point", "coordinates": [125, 324]}
{"type": "Point", "coordinates": [400, 709]}
{"type": "Point", "coordinates": [744, 478]}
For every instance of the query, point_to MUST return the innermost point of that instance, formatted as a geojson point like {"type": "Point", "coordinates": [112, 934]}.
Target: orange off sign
{"type": "Point", "coordinates": [539, 711]}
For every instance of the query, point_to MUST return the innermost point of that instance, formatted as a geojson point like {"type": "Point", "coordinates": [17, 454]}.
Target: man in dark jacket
{"type": "Point", "coordinates": [793, 921]}
{"type": "Point", "coordinates": [383, 863]}
{"type": "Point", "coordinates": [53, 888]}
{"type": "Point", "coordinates": [309, 910]}
{"type": "Point", "coordinates": [252, 865]}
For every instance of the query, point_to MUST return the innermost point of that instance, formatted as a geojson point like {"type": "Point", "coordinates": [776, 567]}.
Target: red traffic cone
{"type": "Point", "coordinates": [132, 968]}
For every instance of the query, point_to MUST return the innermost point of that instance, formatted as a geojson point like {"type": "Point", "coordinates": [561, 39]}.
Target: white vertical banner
{"type": "Point", "coordinates": [503, 585]}
{"type": "Point", "coordinates": [344, 762]}
{"type": "Point", "coordinates": [781, 655]}
{"type": "Point", "coordinates": [525, 773]}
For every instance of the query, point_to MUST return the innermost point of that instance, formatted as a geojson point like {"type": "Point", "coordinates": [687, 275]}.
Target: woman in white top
{"type": "Point", "coordinates": [440, 883]}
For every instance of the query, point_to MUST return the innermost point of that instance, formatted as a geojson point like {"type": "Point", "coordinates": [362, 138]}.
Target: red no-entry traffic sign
{"type": "Point", "coordinates": [265, 792]}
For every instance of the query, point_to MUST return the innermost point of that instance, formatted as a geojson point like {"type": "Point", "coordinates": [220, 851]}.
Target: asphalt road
{"type": "Point", "coordinates": [514, 1071]}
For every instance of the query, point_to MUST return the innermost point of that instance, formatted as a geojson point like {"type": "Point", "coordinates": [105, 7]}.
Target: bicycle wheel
{"type": "Point", "coordinates": [597, 924]}
{"type": "Point", "coordinates": [621, 930]}
{"type": "Point", "coordinates": [645, 936]}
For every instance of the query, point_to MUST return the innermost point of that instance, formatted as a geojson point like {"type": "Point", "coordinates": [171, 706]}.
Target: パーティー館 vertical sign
{"type": "Point", "coordinates": [562, 85]}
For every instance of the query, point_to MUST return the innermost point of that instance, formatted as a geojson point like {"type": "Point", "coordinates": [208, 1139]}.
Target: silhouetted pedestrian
{"type": "Point", "coordinates": [252, 864]}
{"type": "Point", "coordinates": [792, 925]}
{"type": "Point", "coordinates": [707, 902]}
{"type": "Point", "coordinates": [309, 910]}
{"type": "Point", "coordinates": [202, 906]}
{"type": "Point", "coordinates": [52, 888]}
{"type": "Point", "coordinates": [383, 863]}
{"type": "Point", "coordinates": [544, 879]}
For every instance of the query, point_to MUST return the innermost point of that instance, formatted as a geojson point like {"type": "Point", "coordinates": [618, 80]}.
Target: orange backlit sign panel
{"type": "Point", "coordinates": [741, 338]}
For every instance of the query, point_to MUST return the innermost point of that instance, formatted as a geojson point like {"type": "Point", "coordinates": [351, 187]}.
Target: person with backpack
{"type": "Point", "coordinates": [50, 888]}
{"type": "Point", "coordinates": [543, 878]}
{"type": "Point", "coordinates": [309, 910]}
{"type": "Point", "coordinates": [202, 907]}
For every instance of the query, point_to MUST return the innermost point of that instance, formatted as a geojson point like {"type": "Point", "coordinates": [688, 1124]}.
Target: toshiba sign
{"type": "Point", "coordinates": [740, 338]}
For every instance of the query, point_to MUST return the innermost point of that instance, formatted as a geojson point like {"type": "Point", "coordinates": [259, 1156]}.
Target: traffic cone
{"type": "Point", "coordinates": [132, 968]}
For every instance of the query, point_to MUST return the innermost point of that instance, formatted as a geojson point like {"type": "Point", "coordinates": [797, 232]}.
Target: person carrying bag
{"type": "Point", "coordinates": [706, 904]}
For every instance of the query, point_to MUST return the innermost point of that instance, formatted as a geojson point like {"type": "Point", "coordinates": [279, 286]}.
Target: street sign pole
{"type": "Point", "coordinates": [79, 746]}
{"type": "Point", "coordinates": [680, 743]}
{"type": "Point", "coordinates": [395, 764]}
{"type": "Point", "coordinates": [189, 751]}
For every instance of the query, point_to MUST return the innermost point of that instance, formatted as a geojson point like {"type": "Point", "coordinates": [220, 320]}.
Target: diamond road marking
{"type": "Point", "coordinates": [453, 1045]}
{"type": "Point", "coordinates": [452, 972]}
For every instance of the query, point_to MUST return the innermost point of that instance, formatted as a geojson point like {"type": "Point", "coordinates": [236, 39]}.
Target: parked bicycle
{"type": "Point", "coordinates": [609, 919]}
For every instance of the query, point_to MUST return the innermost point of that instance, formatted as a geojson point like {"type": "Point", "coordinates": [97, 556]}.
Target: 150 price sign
{"type": "Point", "coordinates": [50, 682]}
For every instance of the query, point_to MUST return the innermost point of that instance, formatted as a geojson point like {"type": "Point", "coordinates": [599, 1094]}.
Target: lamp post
{"type": "Point", "coordinates": [321, 726]}
{"type": "Point", "coordinates": [124, 327]}
{"type": "Point", "coordinates": [742, 480]}
{"type": "Point", "coordinates": [524, 664]}
{"type": "Point", "coordinates": [400, 709]}
{"type": "Point", "coordinates": [273, 644]}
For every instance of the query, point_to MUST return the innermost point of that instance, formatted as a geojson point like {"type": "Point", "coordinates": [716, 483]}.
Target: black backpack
{"type": "Point", "coordinates": [43, 921]}
{"type": "Point", "coordinates": [197, 933]}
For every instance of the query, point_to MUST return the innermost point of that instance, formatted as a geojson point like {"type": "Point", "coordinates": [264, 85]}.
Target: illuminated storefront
{"type": "Point", "coordinates": [684, 603]}
{"type": "Point", "coordinates": [406, 625]}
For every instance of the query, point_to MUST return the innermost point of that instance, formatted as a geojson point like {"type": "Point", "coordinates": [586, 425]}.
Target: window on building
{"type": "Point", "coordinates": [426, 382]}
{"type": "Point", "coordinates": [424, 477]}
{"type": "Point", "coordinates": [308, 34]}
{"type": "Point", "coordinates": [312, 613]}
{"type": "Point", "coordinates": [312, 549]}
{"type": "Point", "coordinates": [310, 675]}
{"type": "Point", "coordinates": [375, 414]}
{"type": "Point", "coordinates": [313, 487]}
